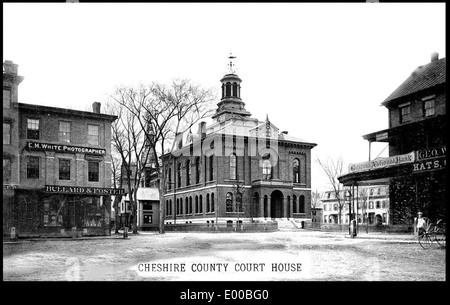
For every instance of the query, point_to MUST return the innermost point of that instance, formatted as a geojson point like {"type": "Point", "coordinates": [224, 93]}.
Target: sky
{"type": "Point", "coordinates": [319, 71]}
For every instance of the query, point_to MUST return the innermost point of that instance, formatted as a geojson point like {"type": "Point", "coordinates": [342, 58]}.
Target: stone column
{"type": "Point", "coordinates": [291, 213]}
{"type": "Point", "coordinates": [268, 207]}
{"type": "Point", "coordinates": [285, 205]}
{"type": "Point", "coordinates": [261, 207]}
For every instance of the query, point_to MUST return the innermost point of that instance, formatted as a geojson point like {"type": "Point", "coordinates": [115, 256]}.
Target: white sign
{"type": "Point", "coordinates": [381, 163]}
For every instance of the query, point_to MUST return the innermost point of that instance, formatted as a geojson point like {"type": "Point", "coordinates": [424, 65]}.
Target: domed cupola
{"type": "Point", "coordinates": [231, 102]}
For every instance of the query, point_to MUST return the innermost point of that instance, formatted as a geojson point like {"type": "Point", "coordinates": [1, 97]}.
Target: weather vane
{"type": "Point", "coordinates": [231, 64]}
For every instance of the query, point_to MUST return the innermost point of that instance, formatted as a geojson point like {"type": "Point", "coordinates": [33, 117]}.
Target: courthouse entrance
{"type": "Point", "coordinates": [276, 204]}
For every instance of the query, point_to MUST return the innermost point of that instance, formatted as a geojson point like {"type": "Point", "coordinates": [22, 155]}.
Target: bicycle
{"type": "Point", "coordinates": [433, 232]}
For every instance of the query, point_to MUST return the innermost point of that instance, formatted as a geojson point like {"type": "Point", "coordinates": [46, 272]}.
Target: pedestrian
{"type": "Point", "coordinates": [421, 223]}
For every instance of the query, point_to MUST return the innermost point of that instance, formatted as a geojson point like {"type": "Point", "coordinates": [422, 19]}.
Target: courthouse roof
{"type": "Point", "coordinates": [424, 77]}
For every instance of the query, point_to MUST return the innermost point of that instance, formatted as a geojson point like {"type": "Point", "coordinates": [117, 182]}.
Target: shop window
{"type": "Point", "coordinates": [147, 205]}
{"type": "Point", "coordinates": [93, 135]}
{"type": "Point", "coordinates": [6, 133]}
{"type": "Point", "coordinates": [33, 167]}
{"type": "Point", "coordinates": [229, 202]}
{"type": "Point", "coordinates": [53, 212]}
{"type": "Point", "coordinates": [93, 171]}
{"type": "Point", "coordinates": [6, 98]}
{"type": "Point", "coordinates": [64, 169]}
{"type": "Point", "coordinates": [6, 169]}
{"type": "Point", "coordinates": [147, 219]}
{"type": "Point", "coordinates": [64, 132]}
{"type": "Point", "coordinates": [33, 129]}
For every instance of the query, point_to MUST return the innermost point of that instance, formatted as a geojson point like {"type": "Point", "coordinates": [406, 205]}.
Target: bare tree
{"type": "Point", "coordinates": [162, 112]}
{"type": "Point", "coordinates": [129, 141]}
{"type": "Point", "coordinates": [117, 183]}
{"type": "Point", "coordinates": [334, 169]}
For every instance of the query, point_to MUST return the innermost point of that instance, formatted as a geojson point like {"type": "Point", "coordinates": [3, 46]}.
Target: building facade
{"type": "Point", "coordinates": [371, 206]}
{"type": "Point", "coordinates": [416, 167]}
{"type": "Point", "coordinates": [56, 166]}
{"type": "Point", "coordinates": [238, 169]}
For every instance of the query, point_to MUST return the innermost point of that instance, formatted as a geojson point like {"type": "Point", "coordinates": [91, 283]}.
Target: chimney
{"type": "Point", "coordinates": [96, 107]}
{"type": "Point", "coordinates": [434, 56]}
{"type": "Point", "coordinates": [10, 67]}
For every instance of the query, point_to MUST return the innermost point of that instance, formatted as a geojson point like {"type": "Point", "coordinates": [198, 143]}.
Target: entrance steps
{"type": "Point", "coordinates": [288, 224]}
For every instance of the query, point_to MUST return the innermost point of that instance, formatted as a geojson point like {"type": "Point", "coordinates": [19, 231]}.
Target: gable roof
{"type": "Point", "coordinates": [422, 78]}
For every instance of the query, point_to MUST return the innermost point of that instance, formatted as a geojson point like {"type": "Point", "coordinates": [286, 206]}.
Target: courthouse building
{"type": "Point", "coordinates": [416, 167]}
{"type": "Point", "coordinates": [238, 169]}
{"type": "Point", "coordinates": [56, 166]}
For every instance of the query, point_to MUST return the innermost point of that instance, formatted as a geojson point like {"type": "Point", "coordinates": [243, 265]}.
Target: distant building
{"type": "Point", "coordinates": [372, 206]}
{"type": "Point", "coordinates": [238, 169]}
{"type": "Point", "coordinates": [56, 166]}
{"type": "Point", "coordinates": [415, 169]}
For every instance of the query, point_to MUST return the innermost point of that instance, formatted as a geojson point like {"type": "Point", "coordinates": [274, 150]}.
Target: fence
{"type": "Point", "coordinates": [335, 227]}
{"type": "Point", "coordinates": [223, 227]}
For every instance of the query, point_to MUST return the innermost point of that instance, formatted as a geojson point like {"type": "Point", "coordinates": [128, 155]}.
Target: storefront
{"type": "Point", "coordinates": [61, 211]}
{"type": "Point", "coordinates": [416, 183]}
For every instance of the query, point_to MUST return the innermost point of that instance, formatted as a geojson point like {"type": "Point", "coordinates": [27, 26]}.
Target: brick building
{"type": "Point", "coordinates": [238, 169]}
{"type": "Point", "coordinates": [56, 166]}
{"type": "Point", "coordinates": [415, 169]}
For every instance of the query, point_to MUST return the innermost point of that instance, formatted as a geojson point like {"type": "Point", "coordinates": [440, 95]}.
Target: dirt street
{"type": "Point", "coordinates": [277, 256]}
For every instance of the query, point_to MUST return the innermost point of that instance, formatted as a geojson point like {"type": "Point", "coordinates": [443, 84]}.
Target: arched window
{"type": "Point", "coordinates": [197, 170]}
{"type": "Point", "coordinates": [208, 204]}
{"type": "Point", "coordinates": [170, 207]}
{"type": "Point", "coordinates": [233, 166]}
{"type": "Point", "coordinates": [188, 172]}
{"type": "Point", "coordinates": [296, 170]}
{"type": "Point", "coordinates": [178, 207]}
{"type": "Point", "coordinates": [190, 205]}
{"type": "Point", "coordinates": [235, 89]}
{"type": "Point", "coordinates": [179, 175]}
{"type": "Point", "coordinates": [228, 89]}
{"type": "Point", "coordinates": [211, 167]}
{"type": "Point", "coordinates": [229, 202]}
{"type": "Point", "coordinates": [186, 205]}
{"type": "Point", "coordinates": [267, 169]}
{"type": "Point", "coordinates": [301, 202]}
{"type": "Point", "coordinates": [201, 204]}
{"type": "Point", "coordinates": [294, 204]}
{"type": "Point", "coordinates": [223, 90]}
{"type": "Point", "coordinates": [212, 202]}
{"type": "Point", "coordinates": [196, 205]}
